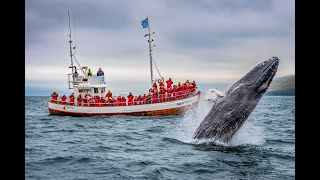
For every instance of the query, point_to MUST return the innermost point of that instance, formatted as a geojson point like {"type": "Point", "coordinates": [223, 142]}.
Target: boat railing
{"type": "Point", "coordinates": [151, 100]}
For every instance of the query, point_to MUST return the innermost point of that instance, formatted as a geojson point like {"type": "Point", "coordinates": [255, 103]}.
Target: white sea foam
{"type": "Point", "coordinates": [249, 133]}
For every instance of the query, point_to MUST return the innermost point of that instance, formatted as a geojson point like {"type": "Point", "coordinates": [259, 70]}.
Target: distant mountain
{"type": "Point", "coordinates": [282, 86]}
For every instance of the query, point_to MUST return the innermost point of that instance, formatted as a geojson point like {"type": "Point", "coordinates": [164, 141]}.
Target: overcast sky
{"type": "Point", "coordinates": [204, 40]}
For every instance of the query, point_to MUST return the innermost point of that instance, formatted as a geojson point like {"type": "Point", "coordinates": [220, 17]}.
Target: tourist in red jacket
{"type": "Point", "coordinates": [123, 100]}
{"type": "Point", "coordinates": [109, 94]}
{"type": "Point", "coordinates": [130, 99]}
{"type": "Point", "coordinates": [119, 101]}
{"type": "Point", "coordinates": [71, 99]}
{"type": "Point", "coordinates": [54, 96]}
{"type": "Point", "coordinates": [63, 99]}
{"type": "Point", "coordinates": [169, 83]}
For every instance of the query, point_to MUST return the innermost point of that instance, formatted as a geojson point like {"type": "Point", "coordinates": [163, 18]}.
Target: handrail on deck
{"type": "Point", "coordinates": [174, 96]}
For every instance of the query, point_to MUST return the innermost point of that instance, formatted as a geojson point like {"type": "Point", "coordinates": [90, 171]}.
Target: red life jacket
{"type": "Point", "coordinates": [109, 95]}
{"type": "Point", "coordinates": [169, 84]}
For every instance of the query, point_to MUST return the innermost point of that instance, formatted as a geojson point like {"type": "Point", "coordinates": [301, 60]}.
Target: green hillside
{"type": "Point", "coordinates": [282, 86]}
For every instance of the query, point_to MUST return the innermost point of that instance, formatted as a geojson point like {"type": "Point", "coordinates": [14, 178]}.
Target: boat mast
{"type": "Point", "coordinates": [70, 41]}
{"type": "Point", "coordinates": [150, 50]}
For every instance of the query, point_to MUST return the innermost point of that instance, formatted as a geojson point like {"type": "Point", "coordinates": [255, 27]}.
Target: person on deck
{"type": "Point", "coordinates": [79, 99]}
{"type": "Point", "coordinates": [63, 99]}
{"type": "Point", "coordinates": [54, 96]}
{"type": "Point", "coordinates": [154, 85]}
{"type": "Point", "coordinates": [148, 99]}
{"type": "Point", "coordinates": [135, 100]}
{"type": "Point", "coordinates": [130, 99]}
{"type": "Point", "coordinates": [123, 100]}
{"type": "Point", "coordinates": [139, 99]}
{"type": "Point", "coordinates": [71, 99]}
{"type": "Point", "coordinates": [144, 98]}
{"type": "Point", "coordinates": [100, 72]}
{"type": "Point", "coordinates": [161, 85]}
{"type": "Point", "coordinates": [109, 94]}
{"type": "Point", "coordinates": [119, 101]}
{"type": "Point", "coordinates": [89, 72]}
{"type": "Point", "coordinates": [110, 101]}
{"type": "Point", "coordinates": [115, 102]}
{"type": "Point", "coordinates": [174, 92]}
{"type": "Point", "coordinates": [169, 83]}
{"type": "Point", "coordinates": [162, 94]}
{"type": "Point", "coordinates": [96, 100]}
{"type": "Point", "coordinates": [155, 97]}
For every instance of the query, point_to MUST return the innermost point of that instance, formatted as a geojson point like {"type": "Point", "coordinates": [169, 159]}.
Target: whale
{"type": "Point", "coordinates": [230, 112]}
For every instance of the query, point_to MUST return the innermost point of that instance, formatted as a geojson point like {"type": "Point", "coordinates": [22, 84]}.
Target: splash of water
{"type": "Point", "coordinates": [249, 133]}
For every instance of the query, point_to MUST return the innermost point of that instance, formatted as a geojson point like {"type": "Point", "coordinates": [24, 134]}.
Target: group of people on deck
{"type": "Point", "coordinates": [160, 92]}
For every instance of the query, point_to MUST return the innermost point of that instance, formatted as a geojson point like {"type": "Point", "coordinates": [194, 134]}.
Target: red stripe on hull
{"type": "Point", "coordinates": [163, 112]}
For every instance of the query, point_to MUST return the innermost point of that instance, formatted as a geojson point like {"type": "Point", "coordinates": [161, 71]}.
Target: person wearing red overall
{"type": "Point", "coordinates": [174, 92]}
{"type": "Point", "coordinates": [123, 100]}
{"type": "Point", "coordinates": [161, 94]}
{"type": "Point", "coordinates": [115, 102]}
{"type": "Point", "coordinates": [169, 83]}
{"type": "Point", "coordinates": [155, 97]}
{"type": "Point", "coordinates": [109, 94]}
{"type": "Point", "coordinates": [102, 101]}
{"type": "Point", "coordinates": [144, 98]}
{"type": "Point", "coordinates": [119, 101]}
{"type": "Point", "coordinates": [130, 99]}
{"type": "Point", "coordinates": [161, 85]}
{"type": "Point", "coordinates": [183, 90]}
{"type": "Point", "coordinates": [155, 85]}
{"type": "Point", "coordinates": [135, 100]}
{"type": "Point", "coordinates": [63, 99]}
{"type": "Point", "coordinates": [139, 100]}
{"type": "Point", "coordinates": [96, 100]}
{"type": "Point", "coordinates": [54, 96]}
{"type": "Point", "coordinates": [71, 99]}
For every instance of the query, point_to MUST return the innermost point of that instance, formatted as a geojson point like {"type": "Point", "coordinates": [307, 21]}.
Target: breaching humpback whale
{"type": "Point", "coordinates": [230, 112]}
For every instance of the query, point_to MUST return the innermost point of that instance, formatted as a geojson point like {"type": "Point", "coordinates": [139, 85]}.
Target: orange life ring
{"type": "Point", "coordinates": [90, 97]}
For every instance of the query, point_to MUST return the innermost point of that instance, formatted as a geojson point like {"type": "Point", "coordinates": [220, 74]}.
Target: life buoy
{"type": "Point", "coordinates": [88, 95]}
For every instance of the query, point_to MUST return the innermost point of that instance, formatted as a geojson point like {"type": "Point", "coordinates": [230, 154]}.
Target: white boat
{"type": "Point", "coordinates": [91, 86]}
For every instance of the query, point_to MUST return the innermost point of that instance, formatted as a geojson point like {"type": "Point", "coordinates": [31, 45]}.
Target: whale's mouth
{"type": "Point", "coordinates": [262, 74]}
{"type": "Point", "coordinates": [267, 76]}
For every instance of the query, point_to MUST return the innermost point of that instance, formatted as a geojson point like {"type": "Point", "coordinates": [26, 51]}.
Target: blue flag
{"type": "Point", "coordinates": [145, 23]}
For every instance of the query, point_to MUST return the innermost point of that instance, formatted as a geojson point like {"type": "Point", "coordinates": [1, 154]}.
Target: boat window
{"type": "Point", "coordinates": [102, 90]}
{"type": "Point", "coordinates": [96, 90]}
{"type": "Point", "coordinates": [84, 90]}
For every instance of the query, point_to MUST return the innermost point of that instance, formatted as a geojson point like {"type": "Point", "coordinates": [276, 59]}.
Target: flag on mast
{"type": "Point", "coordinates": [145, 23]}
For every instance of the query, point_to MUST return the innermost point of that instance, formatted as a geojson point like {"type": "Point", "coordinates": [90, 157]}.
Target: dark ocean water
{"type": "Point", "coordinates": [128, 147]}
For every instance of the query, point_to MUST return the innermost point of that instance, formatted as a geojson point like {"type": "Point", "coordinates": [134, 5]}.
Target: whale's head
{"type": "Point", "coordinates": [230, 112]}
{"type": "Point", "coordinates": [258, 79]}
